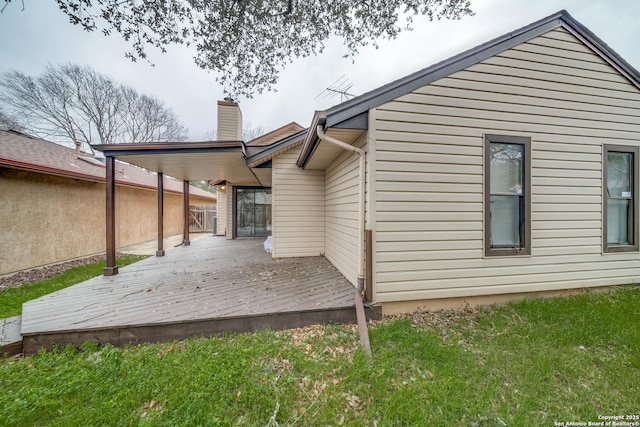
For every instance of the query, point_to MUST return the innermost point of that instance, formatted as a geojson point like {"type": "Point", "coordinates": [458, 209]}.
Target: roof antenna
{"type": "Point", "coordinates": [340, 87]}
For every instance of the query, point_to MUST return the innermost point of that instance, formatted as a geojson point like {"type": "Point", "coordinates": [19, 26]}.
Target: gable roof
{"type": "Point", "coordinates": [276, 135]}
{"type": "Point", "coordinates": [351, 112]}
{"type": "Point", "coordinates": [276, 148]}
{"type": "Point", "coordinates": [25, 152]}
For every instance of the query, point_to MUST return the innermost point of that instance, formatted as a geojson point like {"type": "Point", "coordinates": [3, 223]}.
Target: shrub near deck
{"type": "Point", "coordinates": [530, 363]}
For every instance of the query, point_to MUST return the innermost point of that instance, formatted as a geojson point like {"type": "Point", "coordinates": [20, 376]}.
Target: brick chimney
{"type": "Point", "coordinates": [229, 121]}
{"type": "Point", "coordinates": [78, 146]}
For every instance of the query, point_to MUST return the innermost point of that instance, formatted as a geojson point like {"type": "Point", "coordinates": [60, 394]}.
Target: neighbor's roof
{"type": "Point", "coordinates": [361, 104]}
{"type": "Point", "coordinates": [25, 152]}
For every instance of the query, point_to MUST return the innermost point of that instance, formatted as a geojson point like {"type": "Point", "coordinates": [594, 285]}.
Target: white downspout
{"type": "Point", "coordinates": [361, 201]}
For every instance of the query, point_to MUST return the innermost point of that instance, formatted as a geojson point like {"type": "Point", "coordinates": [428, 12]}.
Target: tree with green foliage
{"type": "Point", "coordinates": [248, 41]}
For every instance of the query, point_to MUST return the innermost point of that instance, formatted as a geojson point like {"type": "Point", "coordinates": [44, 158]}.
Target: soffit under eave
{"type": "Point", "coordinates": [264, 176]}
{"type": "Point", "coordinates": [196, 166]}
{"type": "Point", "coordinates": [325, 152]}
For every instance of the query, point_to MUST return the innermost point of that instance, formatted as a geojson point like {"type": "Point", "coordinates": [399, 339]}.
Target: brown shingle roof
{"type": "Point", "coordinates": [276, 135]}
{"type": "Point", "coordinates": [22, 151]}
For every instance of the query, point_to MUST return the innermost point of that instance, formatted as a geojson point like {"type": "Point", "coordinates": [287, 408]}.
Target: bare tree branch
{"type": "Point", "coordinates": [146, 119]}
{"type": "Point", "coordinates": [251, 131]}
{"type": "Point", "coordinates": [81, 104]}
{"type": "Point", "coordinates": [248, 42]}
{"type": "Point", "coordinates": [7, 122]}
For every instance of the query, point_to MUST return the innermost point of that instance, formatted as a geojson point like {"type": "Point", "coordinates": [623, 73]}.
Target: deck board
{"type": "Point", "coordinates": [10, 337]}
{"type": "Point", "coordinates": [214, 282]}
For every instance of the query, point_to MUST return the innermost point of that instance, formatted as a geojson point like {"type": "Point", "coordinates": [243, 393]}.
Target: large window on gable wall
{"type": "Point", "coordinates": [507, 188]}
{"type": "Point", "coordinates": [620, 198]}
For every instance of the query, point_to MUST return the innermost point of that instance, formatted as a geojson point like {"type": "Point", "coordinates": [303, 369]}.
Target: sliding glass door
{"type": "Point", "coordinates": [253, 212]}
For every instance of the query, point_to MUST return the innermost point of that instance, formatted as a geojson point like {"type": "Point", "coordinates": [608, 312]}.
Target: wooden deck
{"type": "Point", "coordinates": [212, 286]}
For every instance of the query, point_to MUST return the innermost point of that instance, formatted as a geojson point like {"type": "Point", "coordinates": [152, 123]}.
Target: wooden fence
{"type": "Point", "coordinates": [202, 219]}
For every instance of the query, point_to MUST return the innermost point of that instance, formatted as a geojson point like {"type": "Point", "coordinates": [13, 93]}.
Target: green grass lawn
{"type": "Point", "coordinates": [11, 299]}
{"type": "Point", "coordinates": [531, 363]}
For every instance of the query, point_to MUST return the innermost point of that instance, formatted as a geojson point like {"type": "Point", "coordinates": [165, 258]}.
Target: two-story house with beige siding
{"type": "Point", "coordinates": [507, 170]}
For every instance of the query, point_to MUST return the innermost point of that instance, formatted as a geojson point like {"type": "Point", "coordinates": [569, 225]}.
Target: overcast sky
{"type": "Point", "coordinates": [41, 34]}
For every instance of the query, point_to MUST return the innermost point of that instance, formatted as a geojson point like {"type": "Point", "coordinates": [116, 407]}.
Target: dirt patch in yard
{"type": "Point", "coordinates": [37, 274]}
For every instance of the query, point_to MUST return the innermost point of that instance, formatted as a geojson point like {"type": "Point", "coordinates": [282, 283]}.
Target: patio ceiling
{"type": "Point", "coordinates": [191, 161]}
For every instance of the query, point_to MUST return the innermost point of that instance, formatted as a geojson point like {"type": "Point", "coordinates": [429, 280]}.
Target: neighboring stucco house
{"type": "Point", "coordinates": [507, 170]}
{"type": "Point", "coordinates": [52, 203]}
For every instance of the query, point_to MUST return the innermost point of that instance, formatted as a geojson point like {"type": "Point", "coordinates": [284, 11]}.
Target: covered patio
{"type": "Point", "coordinates": [213, 161]}
{"type": "Point", "coordinates": [210, 287]}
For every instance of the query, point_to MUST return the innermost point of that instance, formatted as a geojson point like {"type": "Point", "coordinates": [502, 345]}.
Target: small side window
{"type": "Point", "coordinates": [507, 186]}
{"type": "Point", "coordinates": [620, 198]}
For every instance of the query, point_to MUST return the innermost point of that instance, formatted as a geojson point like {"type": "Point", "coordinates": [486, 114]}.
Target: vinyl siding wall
{"type": "Point", "coordinates": [429, 174]}
{"type": "Point", "coordinates": [222, 213]}
{"type": "Point", "coordinates": [229, 122]}
{"type": "Point", "coordinates": [297, 208]}
{"type": "Point", "coordinates": [230, 212]}
{"type": "Point", "coordinates": [341, 213]}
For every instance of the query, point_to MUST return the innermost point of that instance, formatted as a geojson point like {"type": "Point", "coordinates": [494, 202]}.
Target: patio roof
{"type": "Point", "coordinates": [192, 161]}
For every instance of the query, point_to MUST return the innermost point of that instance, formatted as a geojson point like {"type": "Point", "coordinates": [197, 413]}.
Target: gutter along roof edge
{"type": "Point", "coordinates": [270, 151]}
{"type": "Point", "coordinates": [404, 85]}
{"type": "Point", "coordinates": [144, 148]}
{"type": "Point", "coordinates": [311, 140]}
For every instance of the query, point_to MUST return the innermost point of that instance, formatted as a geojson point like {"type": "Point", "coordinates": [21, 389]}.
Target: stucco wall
{"type": "Point", "coordinates": [46, 219]}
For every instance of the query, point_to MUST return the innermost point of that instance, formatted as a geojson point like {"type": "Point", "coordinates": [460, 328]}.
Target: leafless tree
{"type": "Point", "coordinates": [252, 131]}
{"type": "Point", "coordinates": [211, 134]}
{"type": "Point", "coordinates": [248, 42]}
{"type": "Point", "coordinates": [249, 131]}
{"type": "Point", "coordinates": [97, 97]}
{"type": "Point", "coordinates": [9, 123]}
{"type": "Point", "coordinates": [76, 103]}
{"type": "Point", "coordinates": [146, 119]}
{"type": "Point", "coordinates": [45, 105]}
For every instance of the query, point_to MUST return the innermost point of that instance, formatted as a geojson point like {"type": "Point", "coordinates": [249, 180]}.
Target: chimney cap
{"type": "Point", "coordinates": [229, 101]}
